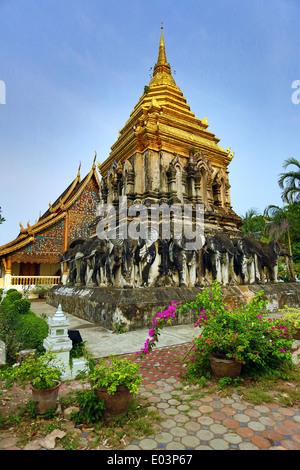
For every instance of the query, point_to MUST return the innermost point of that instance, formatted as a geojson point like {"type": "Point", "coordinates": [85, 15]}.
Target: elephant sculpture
{"type": "Point", "coordinates": [145, 256]}
{"type": "Point", "coordinates": [253, 257]}
{"type": "Point", "coordinates": [218, 258]}
{"type": "Point", "coordinates": [269, 260]}
{"type": "Point", "coordinates": [184, 261]}
{"type": "Point", "coordinates": [247, 261]}
{"type": "Point", "coordinates": [73, 267]}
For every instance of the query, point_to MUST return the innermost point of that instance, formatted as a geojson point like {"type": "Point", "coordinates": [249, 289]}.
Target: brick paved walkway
{"type": "Point", "coordinates": [192, 420]}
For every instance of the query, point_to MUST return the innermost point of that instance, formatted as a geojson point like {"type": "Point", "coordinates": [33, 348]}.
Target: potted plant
{"type": "Point", "coordinates": [115, 380]}
{"type": "Point", "coordinates": [244, 336]}
{"type": "Point", "coordinates": [44, 373]}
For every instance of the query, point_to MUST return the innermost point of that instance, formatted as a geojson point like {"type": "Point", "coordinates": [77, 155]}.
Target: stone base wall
{"type": "Point", "coordinates": [136, 308]}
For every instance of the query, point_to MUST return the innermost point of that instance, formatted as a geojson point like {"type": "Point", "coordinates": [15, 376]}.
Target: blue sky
{"type": "Point", "coordinates": [74, 70]}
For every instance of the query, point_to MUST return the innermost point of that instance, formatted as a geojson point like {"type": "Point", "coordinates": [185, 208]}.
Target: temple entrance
{"type": "Point", "coordinates": [29, 269]}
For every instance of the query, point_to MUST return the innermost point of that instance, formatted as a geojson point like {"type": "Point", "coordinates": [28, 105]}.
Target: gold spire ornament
{"type": "Point", "coordinates": [163, 121]}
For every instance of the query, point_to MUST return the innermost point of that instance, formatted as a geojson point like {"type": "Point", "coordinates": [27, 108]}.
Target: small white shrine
{"type": "Point", "coordinates": [59, 343]}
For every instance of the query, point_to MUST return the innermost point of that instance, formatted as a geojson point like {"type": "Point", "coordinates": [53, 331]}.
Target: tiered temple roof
{"type": "Point", "coordinates": [162, 120]}
{"type": "Point", "coordinates": [65, 220]}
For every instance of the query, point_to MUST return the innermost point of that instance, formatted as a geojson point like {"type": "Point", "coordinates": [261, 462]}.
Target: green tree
{"type": "Point", "coordinates": [289, 181]}
{"type": "Point", "coordinates": [2, 219]}
{"type": "Point", "coordinates": [280, 221]}
{"type": "Point", "coordinates": [254, 224]}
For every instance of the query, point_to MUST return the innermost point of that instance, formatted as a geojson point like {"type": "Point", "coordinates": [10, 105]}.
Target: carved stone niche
{"type": "Point", "coordinates": [203, 180]}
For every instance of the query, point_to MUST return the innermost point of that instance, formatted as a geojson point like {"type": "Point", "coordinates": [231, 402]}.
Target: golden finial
{"type": "Point", "coordinates": [78, 172]}
{"type": "Point", "coordinates": [94, 160]}
{"type": "Point", "coordinates": [21, 226]}
{"type": "Point", "coordinates": [162, 64]}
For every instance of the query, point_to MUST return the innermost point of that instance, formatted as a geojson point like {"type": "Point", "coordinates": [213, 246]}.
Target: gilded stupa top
{"type": "Point", "coordinates": [162, 120]}
{"type": "Point", "coordinates": [162, 70]}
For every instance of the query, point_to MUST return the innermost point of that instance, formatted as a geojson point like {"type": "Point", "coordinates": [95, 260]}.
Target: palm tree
{"type": "Point", "coordinates": [290, 181]}
{"type": "Point", "coordinates": [1, 218]}
{"type": "Point", "coordinates": [278, 227]}
{"type": "Point", "coordinates": [254, 224]}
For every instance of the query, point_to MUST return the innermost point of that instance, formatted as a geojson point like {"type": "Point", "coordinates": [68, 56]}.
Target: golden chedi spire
{"type": "Point", "coordinates": [162, 120]}
{"type": "Point", "coordinates": [162, 64]}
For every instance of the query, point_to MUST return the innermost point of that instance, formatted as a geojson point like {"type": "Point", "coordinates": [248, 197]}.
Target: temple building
{"type": "Point", "coordinates": [33, 257]}
{"type": "Point", "coordinates": [163, 157]}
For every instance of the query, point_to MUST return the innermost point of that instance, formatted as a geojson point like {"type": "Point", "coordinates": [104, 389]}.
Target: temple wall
{"type": "Point", "coordinates": [49, 269]}
{"type": "Point", "coordinates": [136, 308]}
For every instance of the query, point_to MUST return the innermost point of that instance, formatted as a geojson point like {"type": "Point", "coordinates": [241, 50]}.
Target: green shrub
{"type": "Point", "coordinates": [14, 295]}
{"type": "Point", "coordinates": [8, 302]}
{"type": "Point", "coordinates": [21, 306]}
{"type": "Point", "coordinates": [11, 290]}
{"type": "Point", "coordinates": [292, 315]}
{"type": "Point", "coordinates": [31, 330]}
{"type": "Point", "coordinates": [6, 305]}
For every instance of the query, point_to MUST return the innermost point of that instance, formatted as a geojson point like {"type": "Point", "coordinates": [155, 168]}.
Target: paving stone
{"type": "Point", "coordinates": [231, 423]}
{"type": "Point", "coordinates": [205, 435]}
{"type": "Point", "coordinates": [245, 432]}
{"type": "Point", "coordinates": [233, 438]}
{"type": "Point", "coordinates": [218, 429]}
{"type": "Point", "coordinates": [190, 441]}
{"type": "Point", "coordinates": [194, 414]}
{"type": "Point", "coordinates": [219, 444]}
{"type": "Point", "coordinates": [205, 420]}
{"type": "Point", "coordinates": [290, 444]}
{"type": "Point", "coordinates": [192, 426]}
{"type": "Point", "coordinates": [256, 426]}
{"type": "Point", "coordinates": [218, 415]}
{"type": "Point", "coordinates": [262, 408]}
{"type": "Point", "coordinates": [226, 401]}
{"type": "Point", "coordinates": [168, 423]}
{"type": "Point", "coordinates": [286, 411]}
{"type": "Point", "coordinates": [174, 402]}
{"type": "Point", "coordinates": [178, 431]}
{"type": "Point", "coordinates": [162, 405]}
{"type": "Point", "coordinates": [266, 421]}
{"type": "Point", "coordinates": [261, 442]}
{"type": "Point", "coordinates": [206, 409]}
{"type": "Point", "coordinates": [242, 418]}
{"type": "Point", "coordinates": [148, 444]}
{"type": "Point", "coordinates": [181, 418]}
{"type": "Point", "coordinates": [175, 446]}
{"type": "Point", "coordinates": [239, 406]}
{"type": "Point", "coordinates": [183, 407]}
{"type": "Point", "coordinates": [171, 411]}
{"type": "Point", "coordinates": [248, 446]}
{"type": "Point", "coordinates": [252, 413]}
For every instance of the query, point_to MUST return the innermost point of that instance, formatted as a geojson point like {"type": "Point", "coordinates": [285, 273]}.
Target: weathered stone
{"type": "Point", "coordinates": [136, 308]}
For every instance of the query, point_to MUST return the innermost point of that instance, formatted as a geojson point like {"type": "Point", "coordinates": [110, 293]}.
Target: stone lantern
{"type": "Point", "coordinates": [59, 343]}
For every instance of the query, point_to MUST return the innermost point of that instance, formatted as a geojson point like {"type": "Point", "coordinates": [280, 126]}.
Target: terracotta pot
{"type": "Point", "coordinates": [115, 404]}
{"type": "Point", "coordinates": [46, 398]}
{"type": "Point", "coordinates": [223, 367]}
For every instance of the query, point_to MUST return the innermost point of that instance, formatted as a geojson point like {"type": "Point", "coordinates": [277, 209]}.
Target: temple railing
{"type": "Point", "coordinates": [34, 280]}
